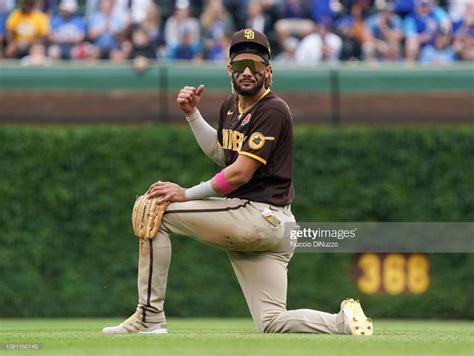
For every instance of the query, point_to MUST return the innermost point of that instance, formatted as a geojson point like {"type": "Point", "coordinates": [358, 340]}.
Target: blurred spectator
{"type": "Point", "coordinates": [319, 46]}
{"type": "Point", "coordinates": [294, 9]}
{"type": "Point", "coordinates": [133, 11]}
{"type": "Point", "coordinates": [186, 48]}
{"type": "Point", "coordinates": [181, 22]}
{"type": "Point", "coordinates": [37, 56]}
{"type": "Point", "coordinates": [404, 8]}
{"type": "Point", "coordinates": [138, 45]}
{"type": "Point", "coordinates": [46, 6]}
{"type": "Point", "coordinates": [215, 20]}
{"type": "Point", "coordinates": [355, 36]}
{"type": "Point", "coordinates": [7, 5]}
{"type": "Point", "coordinates": [219, 51]}
{"type": "Point", "coordinates": [68, 31]}
{"type": "Point", "coordinates": [361, 7]}
{"type": "Point", "coordinates": [116, 29]}
{"type": "Point", "coordinates": [294, 20]}
{"type": "Point", "coordinates": [467, 18]}
{"type": "Point", "coordinates": [25, 26]}
{"type": "Point", "coordinates": [464, 35]}
{"type": "Point", "coordinates": [217, 24]}
{"type": "Point", "coordinates": [104, 29]}
{"type": "Point", "coordinates": [322, 10]}
{"type": "Point", "coordinates": [151, 25]}
{"type": "Point", "coordinates": [288, 53]}
{"type": "Point", "coordinates": [385, 34]}
{"type": "Point", "coordinates": [441, 51]}
{"type": "Point", "coordinates": [5, 8]}
{"type": "Point", "coordinates": [457, 9]}
{"type": "Point", "coordinates": [142, 49]}
{"type": "Point", "coordinates": [464, 45]}
{"type": "Point", "coordinates": [421, 27]}
{"type": "Point", "coordinates": [93, 7]}
{"type": "Point", "coordinates": [238, 9]}
{"type": "Point", "coordinates": [141, 44]}
{"type": "Point", "coordinates": [141, 41]}
{"type": "Point", "coordinates": [256, 18]}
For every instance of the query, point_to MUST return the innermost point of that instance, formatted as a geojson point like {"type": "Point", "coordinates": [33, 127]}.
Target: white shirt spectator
{"type": "Point", "coordinates": [457, 9]}
{"type": "Point", "coordinates": [181, 22]}
{"type": "Point", "coordinates": [133, 10]}
{"type": "Point", "coordinates": [255, 18]}
{"type": "Point", "coordinates": [313, 50]}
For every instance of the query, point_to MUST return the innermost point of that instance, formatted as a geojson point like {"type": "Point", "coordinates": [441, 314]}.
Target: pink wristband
{"type": "Point", "coordinates": [222, 183]}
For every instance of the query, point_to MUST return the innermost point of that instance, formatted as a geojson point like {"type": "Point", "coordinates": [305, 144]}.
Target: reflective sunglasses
{"type": "Point", "coordinates": [254, 66]}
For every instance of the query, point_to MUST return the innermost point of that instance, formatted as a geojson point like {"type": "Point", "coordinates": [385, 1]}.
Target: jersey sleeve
{"type": "Point", "coordinates": [43, 25]}
{"type": "Point", "coordinates": [265, 134]}
{"type": "Point", "coordinates": [12, 21]}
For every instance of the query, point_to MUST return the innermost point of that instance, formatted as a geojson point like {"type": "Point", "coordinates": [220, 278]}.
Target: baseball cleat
{"type": "Point", "coordinates": [134, 325]}
{"type": "Point", "coordinates": [355, 321]}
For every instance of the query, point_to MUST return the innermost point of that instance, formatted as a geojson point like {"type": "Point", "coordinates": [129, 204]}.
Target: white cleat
{"type": "Point", "coordinates": [355, 321]}
{"type": "Point", "coordinates": [134, 325]}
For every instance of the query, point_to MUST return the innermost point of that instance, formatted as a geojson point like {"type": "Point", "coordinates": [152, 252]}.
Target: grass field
{"type": "Point", "coordinates": [234, 337]}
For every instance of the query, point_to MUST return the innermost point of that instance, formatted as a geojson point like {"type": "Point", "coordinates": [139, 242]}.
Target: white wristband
{"type": "Point", "coordinates": [196, 114]}
{"type": "Point", "coordinates": [201, 191]}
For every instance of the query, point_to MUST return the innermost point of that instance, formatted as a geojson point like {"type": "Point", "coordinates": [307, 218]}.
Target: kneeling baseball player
{"type": "Point", "coordinates": [254, 144]}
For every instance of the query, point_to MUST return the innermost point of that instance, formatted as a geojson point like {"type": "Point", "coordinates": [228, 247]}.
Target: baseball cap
{"type": "Point", "coordinates": [250, 41]}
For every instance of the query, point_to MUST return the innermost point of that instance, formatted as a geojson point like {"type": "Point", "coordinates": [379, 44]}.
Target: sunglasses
{"type": "Point", "coordinates": [254, 66]}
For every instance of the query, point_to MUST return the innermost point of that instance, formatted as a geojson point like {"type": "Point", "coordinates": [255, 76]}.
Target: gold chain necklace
{"type": "Point", "coordinates": [251, 106]}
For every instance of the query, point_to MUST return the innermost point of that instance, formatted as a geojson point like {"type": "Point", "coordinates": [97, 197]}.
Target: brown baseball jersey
{"type": "Point", "coordinates": [265, 133]}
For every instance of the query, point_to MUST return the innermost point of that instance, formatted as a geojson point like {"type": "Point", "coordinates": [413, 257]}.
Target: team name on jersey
{"type": "Point", "coordinates": [232, 140]}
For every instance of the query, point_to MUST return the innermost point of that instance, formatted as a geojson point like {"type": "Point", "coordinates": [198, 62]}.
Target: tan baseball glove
{"type": "Point", "coordinates": [146, 216]}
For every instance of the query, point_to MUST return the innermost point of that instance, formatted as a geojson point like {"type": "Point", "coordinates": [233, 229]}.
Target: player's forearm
{"type": "Point", "coordinates": [206, 136]}
{"type": "Point", "coordinates": [223, 183]}
{"type": "Point", "coordinates": [235, 176]}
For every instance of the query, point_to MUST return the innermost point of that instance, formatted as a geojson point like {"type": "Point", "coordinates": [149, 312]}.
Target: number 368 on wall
{"type": "Point", "coordinates": [392, 273]}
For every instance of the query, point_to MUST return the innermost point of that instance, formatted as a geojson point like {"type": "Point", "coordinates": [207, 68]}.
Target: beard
{"type": "Point", "coordinates": [248, 91]}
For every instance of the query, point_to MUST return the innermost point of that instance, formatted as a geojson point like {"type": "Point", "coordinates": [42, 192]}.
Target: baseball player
{"type": "Point", "coordinates": [242, 209]}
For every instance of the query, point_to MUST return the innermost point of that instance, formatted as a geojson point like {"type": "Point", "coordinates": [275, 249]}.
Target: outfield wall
{"type": "Point", "coordinates": [67, 247]}
{"type": "Point", "coordinates": [352, 94]}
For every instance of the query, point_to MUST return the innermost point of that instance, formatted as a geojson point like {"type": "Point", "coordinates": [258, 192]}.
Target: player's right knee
{"type": "Point", "coordinates": [268, 324]}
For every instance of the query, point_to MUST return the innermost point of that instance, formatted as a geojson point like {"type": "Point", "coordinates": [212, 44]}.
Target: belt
{"type": "Point", "coordinates": [285, 208]}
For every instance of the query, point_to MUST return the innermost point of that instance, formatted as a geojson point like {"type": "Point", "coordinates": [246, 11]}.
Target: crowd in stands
{"type": "Point", "coordinates": [38, 32]}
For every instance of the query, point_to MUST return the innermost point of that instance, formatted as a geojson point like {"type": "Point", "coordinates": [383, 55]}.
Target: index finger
{"type": "Point", "coordinates": [155, 185]}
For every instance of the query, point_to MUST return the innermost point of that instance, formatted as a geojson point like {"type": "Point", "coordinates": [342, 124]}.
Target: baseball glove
{"type": "Point", "coordinates": [146, 216]}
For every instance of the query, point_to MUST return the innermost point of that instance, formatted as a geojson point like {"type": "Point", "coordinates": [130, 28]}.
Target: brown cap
{"type": "Point", "coordinates": [250, 41]}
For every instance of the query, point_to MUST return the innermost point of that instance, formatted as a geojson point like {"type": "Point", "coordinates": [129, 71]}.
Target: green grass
{"type": "Point", "coordinates": [235, 337]}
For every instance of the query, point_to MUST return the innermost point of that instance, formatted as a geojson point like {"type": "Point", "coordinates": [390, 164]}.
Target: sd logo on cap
{"type": "Point", "coordinates": [250, 41]}
{"type": "Point", "coordinates": [249, 34]}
